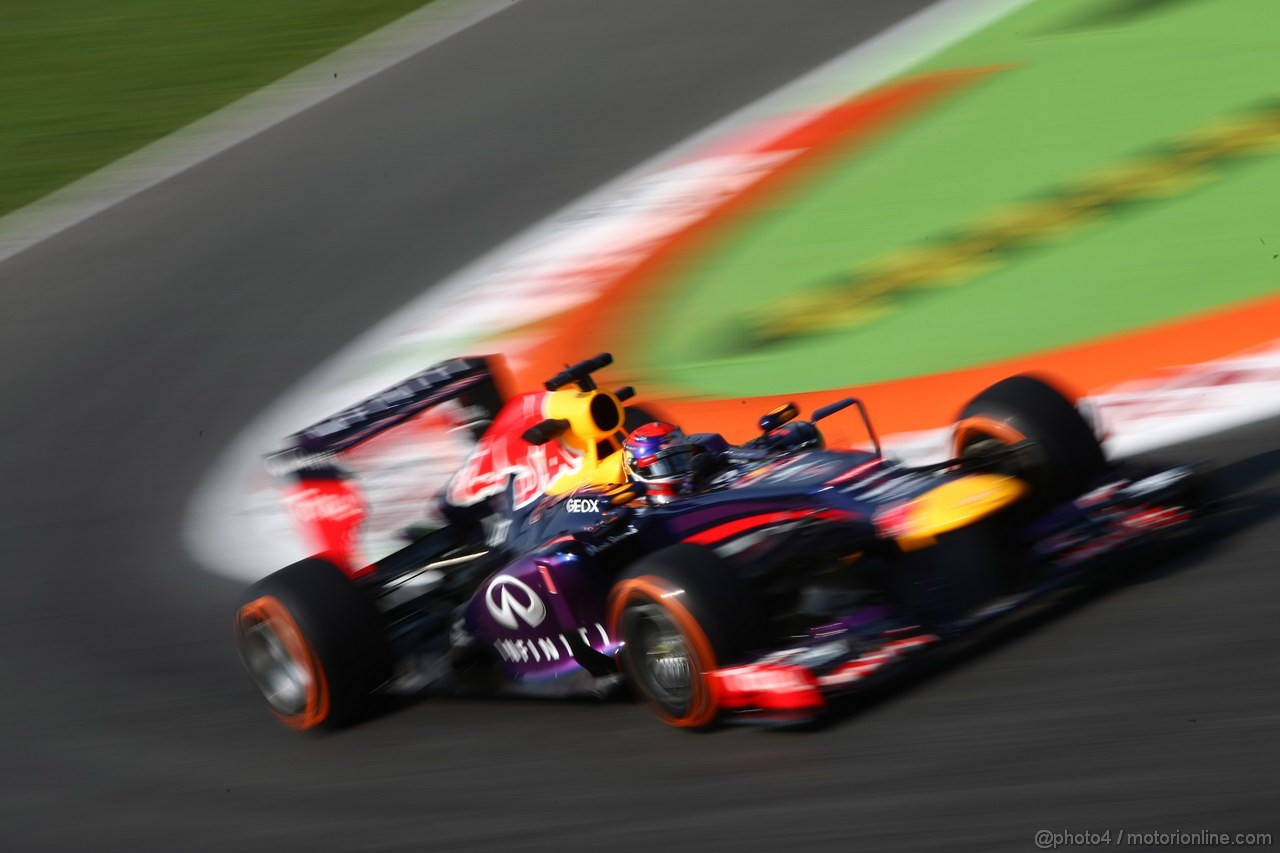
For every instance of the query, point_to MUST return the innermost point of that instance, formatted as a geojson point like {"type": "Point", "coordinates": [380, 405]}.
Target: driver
{"type": "Point", "coordinates": [660, 458]}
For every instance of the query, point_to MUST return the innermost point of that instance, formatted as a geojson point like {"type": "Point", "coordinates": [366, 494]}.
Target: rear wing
{"type": "Point", "coordinates": [354, 480]}
{"type": "Point", "coordinates": [470, 381]}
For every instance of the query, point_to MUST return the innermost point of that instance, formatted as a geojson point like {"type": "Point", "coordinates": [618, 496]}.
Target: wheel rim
{"type": "Point", "coordinates": [282, 663]}
{"type": "Point", "coordinates": [282, 681]}
{"type": "Point", "coordinates": [663, 658]}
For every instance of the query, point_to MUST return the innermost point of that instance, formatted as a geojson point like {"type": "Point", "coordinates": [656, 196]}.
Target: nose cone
{"type": "Point", "coordinates": [956, 504]}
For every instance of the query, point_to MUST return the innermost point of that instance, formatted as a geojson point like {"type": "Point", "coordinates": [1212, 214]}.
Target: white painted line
{"type": "Point", "coordinates": [242, 120]}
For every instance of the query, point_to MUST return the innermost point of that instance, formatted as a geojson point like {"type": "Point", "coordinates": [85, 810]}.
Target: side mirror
{"type": "Point", "coordinates": [778, 417]}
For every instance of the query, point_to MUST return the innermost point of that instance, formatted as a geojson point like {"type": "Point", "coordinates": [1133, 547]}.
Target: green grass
{"type": "Point", "coordinates": [85, 82]}
{"type": "Point", "coordinates": [1088, 90]}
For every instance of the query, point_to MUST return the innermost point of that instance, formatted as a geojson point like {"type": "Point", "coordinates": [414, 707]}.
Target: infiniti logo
{"type": "Point", "coordinates": [506, 605]}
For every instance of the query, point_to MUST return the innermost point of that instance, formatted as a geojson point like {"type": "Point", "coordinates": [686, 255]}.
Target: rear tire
{"type": "Point", "coordinates": [313, 645]}
{"type": "Point", "coordinates": [682, 613]}
{"type": "Point", "coordinates": [1061, 456]}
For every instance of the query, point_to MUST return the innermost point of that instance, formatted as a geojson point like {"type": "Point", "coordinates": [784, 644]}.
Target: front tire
{"type": "Point", "coordinates": [682, 613]}
{"type": "Point", "coordinates": [313, 645]}
{"type": "Point", "coordinates": [1059, 455]}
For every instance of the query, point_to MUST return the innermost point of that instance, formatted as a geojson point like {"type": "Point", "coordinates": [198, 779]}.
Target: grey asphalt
{"type": "Point", "coordinates": [137, 344]}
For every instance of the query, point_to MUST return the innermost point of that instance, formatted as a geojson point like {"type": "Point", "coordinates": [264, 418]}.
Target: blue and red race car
{"type": "Point", "coordinates": [573, 552]}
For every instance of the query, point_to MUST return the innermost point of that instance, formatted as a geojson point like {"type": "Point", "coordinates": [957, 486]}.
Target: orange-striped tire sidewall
{"type": "Point", "coordinates": [269, 609]}
{"type": "Point", "coordinates": [982, 426]}
{"type": "Point", "coordinates": [704, 705]}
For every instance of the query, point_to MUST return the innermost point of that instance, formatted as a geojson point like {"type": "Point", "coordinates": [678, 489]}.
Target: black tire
{"type": "Point", "coordinates": [1061, 456]}
{"type": "Point", "coordinates": [682, 613]}
{"type": "Point", "coordinates": [312, 643]}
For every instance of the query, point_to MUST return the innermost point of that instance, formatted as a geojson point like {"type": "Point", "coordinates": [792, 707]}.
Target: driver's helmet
{"type": "Point", "coordinates": [659, 457]}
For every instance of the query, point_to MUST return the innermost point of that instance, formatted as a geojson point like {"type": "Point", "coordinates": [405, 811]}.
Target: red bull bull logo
{"type": "Point", "coordinates": [502, 454]}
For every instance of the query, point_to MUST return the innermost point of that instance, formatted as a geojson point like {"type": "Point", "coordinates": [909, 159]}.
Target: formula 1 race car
{"type": "Point", "coordinates": [780, 574]}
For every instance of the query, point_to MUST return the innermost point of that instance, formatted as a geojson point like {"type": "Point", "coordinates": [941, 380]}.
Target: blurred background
{"type": "Point", "coordinates": [745, 202]}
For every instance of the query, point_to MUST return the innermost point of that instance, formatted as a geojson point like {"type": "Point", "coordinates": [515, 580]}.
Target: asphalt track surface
{"type": "Point", "coordinates": [137, 344]}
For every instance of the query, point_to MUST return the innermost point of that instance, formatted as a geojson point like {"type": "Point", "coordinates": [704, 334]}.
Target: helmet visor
{"type": "Point", "coordinates": [667, 464]}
